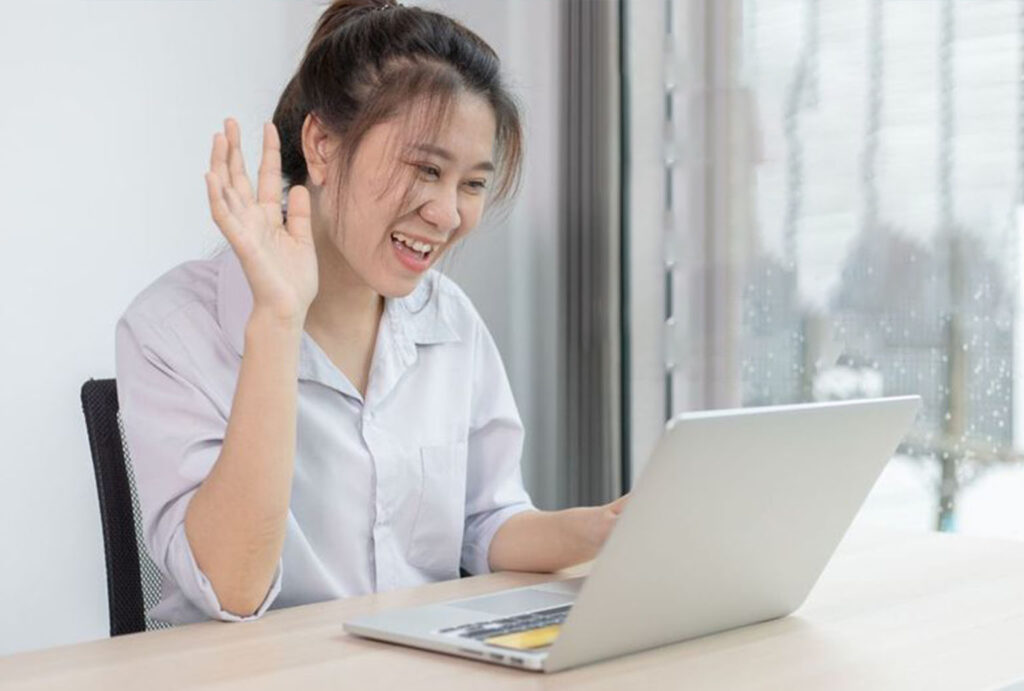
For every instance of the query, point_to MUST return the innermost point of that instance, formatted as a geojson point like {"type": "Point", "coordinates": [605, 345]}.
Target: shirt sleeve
{"type": "Point", "coordinates": [174, 432]}
{"type": "Point", "coordinates": [494, 482]}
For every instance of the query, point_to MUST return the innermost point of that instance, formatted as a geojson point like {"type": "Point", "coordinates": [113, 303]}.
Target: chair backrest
{"type": "Point", "coordinates": [133, 580]}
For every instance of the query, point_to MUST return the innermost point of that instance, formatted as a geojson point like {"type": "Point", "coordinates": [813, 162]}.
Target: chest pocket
{"type": "Point", "coordinates": [436, 545]}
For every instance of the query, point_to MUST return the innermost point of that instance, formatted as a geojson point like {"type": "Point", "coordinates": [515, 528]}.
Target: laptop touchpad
{"type": "Point", "coordinates": [515, 602]}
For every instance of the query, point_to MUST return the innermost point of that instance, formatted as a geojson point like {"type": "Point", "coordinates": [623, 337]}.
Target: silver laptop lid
{"type": "Point", "coordinates": [731, 522]}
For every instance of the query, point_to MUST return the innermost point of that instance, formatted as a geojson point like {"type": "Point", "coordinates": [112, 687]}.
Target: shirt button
{"type": "Point", "coordinates": [369, 414]}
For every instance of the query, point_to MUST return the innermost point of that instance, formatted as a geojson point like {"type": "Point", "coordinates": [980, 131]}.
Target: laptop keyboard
{"type": "Point", "coordinates": [481, 630]}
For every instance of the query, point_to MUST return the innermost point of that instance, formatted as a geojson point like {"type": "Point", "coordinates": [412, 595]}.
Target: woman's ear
{"type": "Point", "coordinates": [316, 148]}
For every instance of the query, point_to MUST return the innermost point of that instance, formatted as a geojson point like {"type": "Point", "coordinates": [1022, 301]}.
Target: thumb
{"type": "Point", "coordinates": [298, 223]}
{"type": "Point", "coordinates": [619, 504]}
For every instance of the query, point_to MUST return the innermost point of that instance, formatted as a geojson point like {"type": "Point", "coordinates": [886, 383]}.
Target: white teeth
{"type": "Point", "coordinates": [414, 244]}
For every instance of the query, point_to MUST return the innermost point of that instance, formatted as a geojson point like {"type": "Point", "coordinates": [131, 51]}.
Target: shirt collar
{"type": "Point", "coordinates": [420, 318]}
{"type": "Point", "coordinates": [422, 314]}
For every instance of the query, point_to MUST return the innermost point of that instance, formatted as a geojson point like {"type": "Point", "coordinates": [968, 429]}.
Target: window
{"type": "Point", "coordinates": [823, 204]}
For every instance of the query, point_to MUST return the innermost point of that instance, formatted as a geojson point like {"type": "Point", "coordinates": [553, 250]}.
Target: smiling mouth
{"type": "Point", "coordinates": [420, 250]}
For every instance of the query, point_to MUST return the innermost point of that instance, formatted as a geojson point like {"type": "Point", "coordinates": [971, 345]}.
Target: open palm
{"type": "Point", "coordinates": [279, 258]}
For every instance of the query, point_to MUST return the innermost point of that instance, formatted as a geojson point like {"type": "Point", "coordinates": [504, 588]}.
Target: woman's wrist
{"type": "Point", "coordinates": [263, 321]}
{"type": "Point", "coordinates": [596, 528]}
{"type": "Point", "coordinates": [580, 534]}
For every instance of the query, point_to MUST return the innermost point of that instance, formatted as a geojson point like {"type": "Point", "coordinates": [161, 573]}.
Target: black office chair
{"type": "Point", "coordinates": [133, 580]}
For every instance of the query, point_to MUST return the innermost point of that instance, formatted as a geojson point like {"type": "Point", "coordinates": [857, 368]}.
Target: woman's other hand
{"type": "Point", "coordinates": [602, 520]}
{"type": "Point", "coordinates": [552, 540]}
{"type": "Point", "coordinates": [279, 259]}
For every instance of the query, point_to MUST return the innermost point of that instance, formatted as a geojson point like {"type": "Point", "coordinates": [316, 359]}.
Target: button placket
{"type": "Point", "coordinates": [377, 446]}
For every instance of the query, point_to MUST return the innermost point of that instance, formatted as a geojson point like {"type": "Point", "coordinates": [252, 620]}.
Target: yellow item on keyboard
{"type": "Point", "coordinates": [527, 640]}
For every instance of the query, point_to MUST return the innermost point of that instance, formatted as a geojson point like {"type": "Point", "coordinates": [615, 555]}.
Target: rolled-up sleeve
{"type": "Point", "coordinates": [174, 430]}
{"type": "Point", "coordinates": [494, 482]}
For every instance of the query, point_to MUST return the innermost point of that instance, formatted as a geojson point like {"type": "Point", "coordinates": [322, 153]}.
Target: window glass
{"type": "Point", "coordinates": [871, 176]}
{"type": "Point", "coordinates": [886, 192]}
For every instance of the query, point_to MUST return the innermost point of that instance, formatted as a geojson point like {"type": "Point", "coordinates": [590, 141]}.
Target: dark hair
{"type": "Point", "coordinates": [368, 60]}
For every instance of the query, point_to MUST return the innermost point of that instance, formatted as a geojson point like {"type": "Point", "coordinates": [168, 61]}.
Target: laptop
{"type": "Point", "coordinates": [731, 522]}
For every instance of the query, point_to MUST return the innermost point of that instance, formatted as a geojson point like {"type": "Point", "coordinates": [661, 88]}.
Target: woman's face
{"type": "Point", "coordinates": [389, 244]}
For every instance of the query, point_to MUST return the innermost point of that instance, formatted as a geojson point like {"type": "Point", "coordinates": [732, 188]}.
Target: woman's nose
{"type": "Point", "coordinates": [442, 211]}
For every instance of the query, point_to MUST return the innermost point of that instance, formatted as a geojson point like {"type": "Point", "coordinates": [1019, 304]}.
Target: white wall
{"type": "Point", "coordinates": [106, 117]}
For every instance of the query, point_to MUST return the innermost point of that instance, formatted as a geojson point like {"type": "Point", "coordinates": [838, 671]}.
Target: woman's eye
{"type": "Point", "coordinates": [430, 170]}
{"type": "Point", "coordinates": [478, 185]}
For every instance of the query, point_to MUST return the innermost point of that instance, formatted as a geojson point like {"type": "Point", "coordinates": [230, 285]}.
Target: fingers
{"type": "Point", "coordinates": [219, 160]}
{"type": "Point", "coordinates": [235, 203]}
{"type": "Point", "coordinates": [299, 224]}
{"type": "Point", "coordinates": [219, 209]}
{"type": "Point", "coordinates": [619, 504]}
{"type": "Point", "coordinates": [230, 191]}
{"type": "Point", "coordinates": [226, 163]}
{"type": "Point", "coordinates": [236, 164]}
{"type": "Point", "coordinates": [269, 182]}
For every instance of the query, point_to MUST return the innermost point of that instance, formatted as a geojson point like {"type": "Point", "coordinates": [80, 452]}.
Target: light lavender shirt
{"type": "Point", "coordinates": [394, 490]}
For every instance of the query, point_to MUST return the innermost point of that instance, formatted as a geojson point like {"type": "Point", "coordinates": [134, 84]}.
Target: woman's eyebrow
{"type": "Point", "coordinates": [447, 156]}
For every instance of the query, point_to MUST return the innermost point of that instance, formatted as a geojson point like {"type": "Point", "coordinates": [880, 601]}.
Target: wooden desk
{"type": "Point", "coordinates": [892, 611]}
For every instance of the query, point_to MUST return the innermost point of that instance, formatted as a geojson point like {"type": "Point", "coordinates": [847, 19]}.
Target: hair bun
{"type": "Point", "coordinates": [341, 12]}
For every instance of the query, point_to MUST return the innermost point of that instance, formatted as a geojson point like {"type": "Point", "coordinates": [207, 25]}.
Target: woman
{"type": "Point", "coordinates": [315, 413]}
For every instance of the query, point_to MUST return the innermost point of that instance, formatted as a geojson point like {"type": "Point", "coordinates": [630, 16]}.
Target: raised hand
{"type": "Point", "coordinates": [279, 259]}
